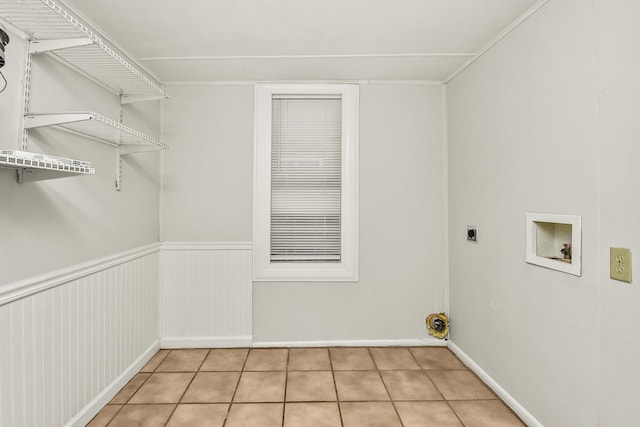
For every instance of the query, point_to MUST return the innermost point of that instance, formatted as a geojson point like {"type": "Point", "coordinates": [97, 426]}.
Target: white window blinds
{"type": "Point", "coordinates": [306, 178]}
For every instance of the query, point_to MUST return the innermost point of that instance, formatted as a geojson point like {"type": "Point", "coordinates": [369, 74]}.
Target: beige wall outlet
{"type": "Point", "coordinates": [620, 264]}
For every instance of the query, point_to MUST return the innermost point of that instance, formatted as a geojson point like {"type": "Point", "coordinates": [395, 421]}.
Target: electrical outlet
{"type": "Point", "coordinates": [620, 264]}
{"type": "Point", "coordinates": [472, 233]}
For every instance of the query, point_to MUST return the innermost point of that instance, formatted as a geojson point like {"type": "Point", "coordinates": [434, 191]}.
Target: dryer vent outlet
{"type": "Point", "coordinates": [438, 325]}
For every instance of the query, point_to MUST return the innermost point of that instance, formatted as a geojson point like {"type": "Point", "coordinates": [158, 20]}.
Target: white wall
{"type": "Point", "coordinates": [206, 211]}
{"type": "Point", "coordinates": [208, 170]}
{"type": "Point", "coordinates": [530, 132]}
{"type": "Point", "coordinates": [401, 210]}
{"type": "Point", "coordinates": [619, 68]}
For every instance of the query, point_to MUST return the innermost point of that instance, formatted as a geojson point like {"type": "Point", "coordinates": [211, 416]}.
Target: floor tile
{"type": "Point", "coordinates": [261, 387]}
{"type": "Point", "coordinates": [163, 388]}
{"type": "Point", "coordinates": [197, 415]}
{"type": "Point", "coordinates": [212, 387]}
{"type": "Point", "coordinates": [225, 359]}
{"type": "Point", "coordinates": [394, 358]}
{"type": "Point", "coordinates": [485, 413]}
{"type": "Point", "coordinates": [351, 359]}
{"type": "Point", "coordinates": [312, 415]}
{"type": "Point", "coordinates": [310, 386]}
{"type": "Point", "coordinates": [129, 390]}
{"type": "Point", "coordinates": [104, 416]}
{"type": "Point", "coordinates": [369, 414]}
{"type": "Point", "coordinates": [460, 385]}
{"type": "Point", "coordinates": [427, 414]}
{"type": "Point", "coordinates": [267, 359]}
{"type": "Point", "coordinates": [183, 360]}
{"type": "Point", "coordinates": [309, 359]}
{"type": "Point", "coordinates": [240, 387]}
{"type": "Point", "coordinates": [255, 415]}
{"type": "Point", "coordinates": [436, 358]}
{"type": "Point", "coordinates": [410, 385]}
{"type": "Point", "coordinates": [360, 385]}
{"type": "Point", "coordinates": [142, 416]}
{"type": "Point", "coordinates": [153, 363]}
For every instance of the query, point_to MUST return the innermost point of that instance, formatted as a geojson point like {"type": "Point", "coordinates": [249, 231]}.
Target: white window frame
{"type": "Point", "coordinates": [263, 268]}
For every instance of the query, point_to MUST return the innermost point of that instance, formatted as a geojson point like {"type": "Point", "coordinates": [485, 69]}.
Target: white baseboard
{"type": "Point", "coordinates": [206, 342]}
{"type": "Point", "coordinates": [502, 393]}
{"type": "Point", "coordinates": [92, 408]}
{"type": "Point", "coordinates": [355, 343]}
{"type": "Point", "coordinates": [246, 341]}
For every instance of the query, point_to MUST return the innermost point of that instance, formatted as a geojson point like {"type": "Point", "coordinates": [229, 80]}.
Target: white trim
{"type": "Point", "coordinates": [87, 413]}
{"type": "Point", "coordinates": [251, 57]}
{"type": "Point", "coordinates": [206, 342]}
{"type": "Point", "coordinates": [263, 268]}
{"type": "Point", "coordinates": [206, 246]}
{"type": "Point", "coordinates": [533, 9]}
{"type": "Point", "coordinates": [253, 82]}
{"type": "Point", "coordinates": [502, 393]}
{"type": "Point", "coordinates": [445, 184]}
{"type": "Point", "coordinates": [426, 342]}
{"type": "Point", "coordinates": [161, 176]}
{"type": "Point", "coordinates": [24, 288]}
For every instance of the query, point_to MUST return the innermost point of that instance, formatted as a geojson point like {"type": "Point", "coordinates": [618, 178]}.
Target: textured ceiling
{"type": "Point", "coordinates": [257, 40]}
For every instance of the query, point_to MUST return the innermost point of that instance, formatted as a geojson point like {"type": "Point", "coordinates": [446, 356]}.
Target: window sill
{"type": "Point", "coordinates": [313, 272]}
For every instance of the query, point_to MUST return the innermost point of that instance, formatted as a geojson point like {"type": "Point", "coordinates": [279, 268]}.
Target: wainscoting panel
{"type": "Point", "coordinates": [206, 294]}
{"type": "Point", "coordinates": [64, 345]}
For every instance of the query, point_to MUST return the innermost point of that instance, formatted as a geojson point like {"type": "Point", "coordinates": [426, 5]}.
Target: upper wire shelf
{"type": "Point", "coordinates": [97, 127]}
{"type": "Point", "coordinates": [46, 20]}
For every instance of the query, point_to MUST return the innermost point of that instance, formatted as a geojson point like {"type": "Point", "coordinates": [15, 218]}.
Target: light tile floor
{"type": "Point", "coordinates": [306, 387]}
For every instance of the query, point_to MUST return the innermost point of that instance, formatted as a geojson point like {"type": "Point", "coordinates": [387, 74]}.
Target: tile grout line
{"type": "Point", "coordinates": [114, 415]}
{"type": "Point", "coordinates": [286, 383]}
{"type": "Point", "coordinates": [444, 399]}
{"type": "Point", "coordinates": [226, 418]}
{"type": "Point", "coordinates": [426, 374]}
{"type": "Point", "coordinates": [385, 385]}
{"type": "Point", "coordinates": [188, 385]}
{"type": "Point", "coordinates": [134, 393]}
{"type": "Point", "coordinates": [335, 386]}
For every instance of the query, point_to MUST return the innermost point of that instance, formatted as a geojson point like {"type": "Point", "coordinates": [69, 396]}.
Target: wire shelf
{"type": "Point", "coordinates": [47, 20]}
{"type": "Point", "coordinates": [53, 167]}
{"type": "Point", "coordinates": [97, 127]}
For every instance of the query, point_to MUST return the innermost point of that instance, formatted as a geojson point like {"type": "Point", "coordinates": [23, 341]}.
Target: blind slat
{"type": "Point", "coordinates": [306, 162]}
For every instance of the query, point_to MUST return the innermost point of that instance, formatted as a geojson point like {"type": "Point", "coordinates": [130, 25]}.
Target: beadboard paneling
{"type": "Point", "coordinates": [62, 348]}
{"type": "Point", "coordinates": [206, 294]}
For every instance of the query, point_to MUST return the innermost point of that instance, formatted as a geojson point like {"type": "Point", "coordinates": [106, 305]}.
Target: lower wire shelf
{"type": "Point", "coordinates": [36, 167]}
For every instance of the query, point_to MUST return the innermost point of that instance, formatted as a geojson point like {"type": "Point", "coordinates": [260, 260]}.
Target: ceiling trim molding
{"type": "Point", "coordinates": [252, 82]}
{"type": "Point", "coordinates": [366, 55]}
{"type": "Point", "coordinates": [533, 9]}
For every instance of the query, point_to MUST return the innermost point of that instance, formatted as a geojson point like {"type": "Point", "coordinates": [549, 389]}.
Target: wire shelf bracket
{"type": "Point", "coordinates": [97, 127]}
{"type": "Point", "coordinates": [41, 46]}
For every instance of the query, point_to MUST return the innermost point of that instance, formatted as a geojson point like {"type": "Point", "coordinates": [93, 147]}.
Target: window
{"type": "Point", "coordinates": [305, 182]}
